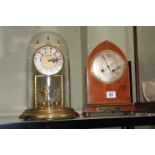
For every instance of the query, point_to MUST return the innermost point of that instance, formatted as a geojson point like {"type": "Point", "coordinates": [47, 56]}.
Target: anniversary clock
{"type": "Point", "coordinates": [108, 81]}
{"type": "Point", "coordinates": [48, 78]}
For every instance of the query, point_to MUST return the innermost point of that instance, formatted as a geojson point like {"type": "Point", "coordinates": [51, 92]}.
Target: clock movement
{"type": "Point", "coordinates": [108, 81]}
{"type": "Point", "coordinates": [48, 78]}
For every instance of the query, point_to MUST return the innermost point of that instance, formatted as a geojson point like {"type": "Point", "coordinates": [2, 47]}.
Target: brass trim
{"type": "Point", "coordinates": [108, 109]}
{"type": "Point", "coordinates": [46, 113]}
{"type": "Point", "coordinates": [35, 92]}
{"type": "Point", "coordinates": [36, 51]}
{"type": "Point", "coordinates": [48, 40]}
{"type": "Point", "coordinates": [61, 89]}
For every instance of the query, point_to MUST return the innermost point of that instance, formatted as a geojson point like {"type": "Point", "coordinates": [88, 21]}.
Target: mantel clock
{"type": "Point", "coordinates": [48, 78]}
{"type": "Point", "coordinates": [108, 81]}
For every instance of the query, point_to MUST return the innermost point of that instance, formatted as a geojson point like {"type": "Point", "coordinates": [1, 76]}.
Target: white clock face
{"type": "Point", "coordinates": [108, 66]}
{"type": "Point", "coordinates": [48, 60]}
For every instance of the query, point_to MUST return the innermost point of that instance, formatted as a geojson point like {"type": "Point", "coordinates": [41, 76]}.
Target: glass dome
{"type": "Point", "coordinates": [48, 78]}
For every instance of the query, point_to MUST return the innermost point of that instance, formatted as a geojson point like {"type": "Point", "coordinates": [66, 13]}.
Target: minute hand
{"type": "Point", "coordinates": [54, 59]}
{"type": "Point", "coordinates": [107, 63]}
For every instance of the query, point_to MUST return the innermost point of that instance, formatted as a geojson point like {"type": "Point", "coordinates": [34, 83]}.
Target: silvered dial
{"type": "Point", "coordinates": [48, 60]}
{"type": "Point", "coordinates": [108, 66]}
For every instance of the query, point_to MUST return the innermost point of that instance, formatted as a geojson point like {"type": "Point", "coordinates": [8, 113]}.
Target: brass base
{"type": "Point", "coordinates": [48, 113]}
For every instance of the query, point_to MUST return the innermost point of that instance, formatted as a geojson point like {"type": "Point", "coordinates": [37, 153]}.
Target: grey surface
{"type": "Point", "coordinates": [15, 119]}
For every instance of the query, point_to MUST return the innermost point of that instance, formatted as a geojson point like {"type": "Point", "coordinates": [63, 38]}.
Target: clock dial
{"type": "Point", "coordinates": [48, 60]}
{"type": "Point", "coordinates": [108, 66]}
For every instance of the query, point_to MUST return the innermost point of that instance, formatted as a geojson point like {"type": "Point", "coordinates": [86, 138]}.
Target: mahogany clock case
{"type": "Point", "coordinates": [96, 90]}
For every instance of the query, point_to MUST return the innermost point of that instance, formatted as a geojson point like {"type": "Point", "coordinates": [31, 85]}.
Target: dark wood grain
{"type": "Point", "coordinates": [136, 59]}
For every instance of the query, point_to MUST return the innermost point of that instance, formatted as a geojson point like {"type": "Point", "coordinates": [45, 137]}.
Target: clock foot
{"type": "Point", "coordinates": [127, 113]}
{"type": "Point", "coordinates": [86, 114]}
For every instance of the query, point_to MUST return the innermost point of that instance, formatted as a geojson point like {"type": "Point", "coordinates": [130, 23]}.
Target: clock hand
{"type": "Point", "coordinates": [106, 63]}
{"type": "Point", "coordinates": [116, 68]}
{"type": "Point", "coordinates": [113, 70]}
{"type": "Point", "coordinates": [54, 59]}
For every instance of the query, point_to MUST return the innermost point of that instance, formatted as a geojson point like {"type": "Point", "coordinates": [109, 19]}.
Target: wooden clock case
{"type": "Point", "coordinates": [96, 90]}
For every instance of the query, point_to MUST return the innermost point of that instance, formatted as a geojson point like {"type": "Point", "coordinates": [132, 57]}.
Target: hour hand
{"type": "Point", "coordinates": [53, 59]}
{"type": "Point", "coordinates": [113, 70]}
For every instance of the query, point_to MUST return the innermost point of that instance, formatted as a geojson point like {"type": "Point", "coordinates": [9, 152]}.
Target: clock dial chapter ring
{"type": "Point", "coordinates": [108, 66]}
{"type": "Point", "coordinates": [48, 60]}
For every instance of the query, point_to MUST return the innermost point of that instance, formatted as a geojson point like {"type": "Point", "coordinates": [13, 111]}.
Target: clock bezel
{"type": "Point", "coordinates": [97, 78]}
{"type": "Point", "coordinates": [37, 50]}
